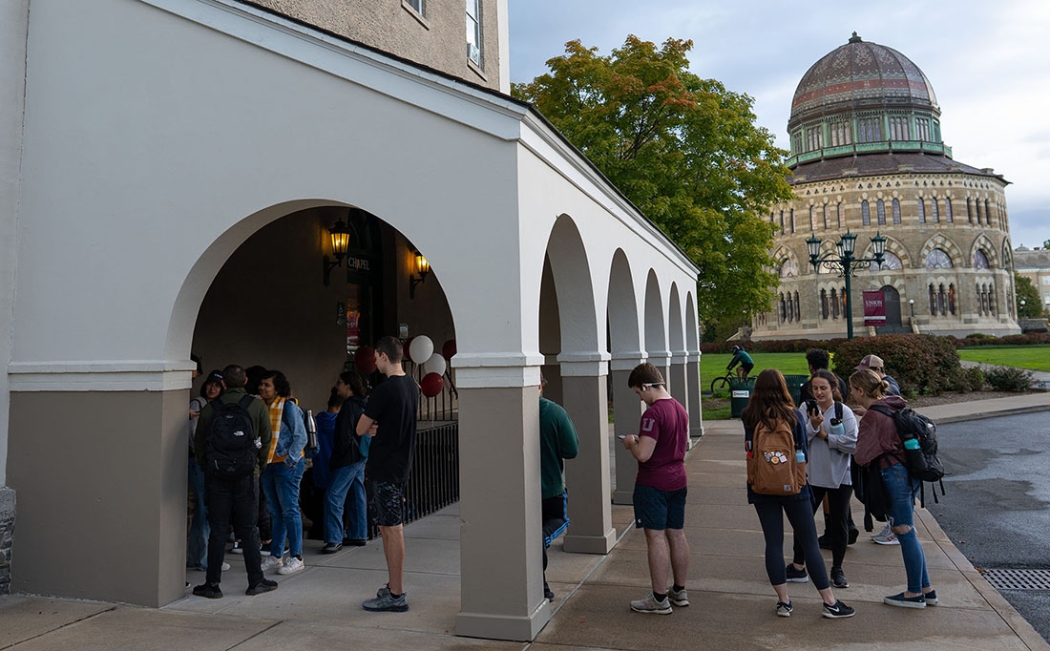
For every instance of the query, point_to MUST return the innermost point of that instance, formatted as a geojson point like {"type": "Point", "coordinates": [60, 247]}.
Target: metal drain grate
{"type": "Point", "coordinates": [1018, 579]}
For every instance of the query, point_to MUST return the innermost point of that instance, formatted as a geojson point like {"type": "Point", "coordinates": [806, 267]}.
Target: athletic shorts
{"type": "Point", "coordinates": [388, 501]}
{"type": "Point", "coordinates": [747, 368]}
{"type": "Point", "coordinates": [658, 510]}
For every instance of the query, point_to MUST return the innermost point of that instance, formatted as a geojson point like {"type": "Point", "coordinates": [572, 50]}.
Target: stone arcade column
{"type": "Point", "coordinates": [661, 359]}
{"type": "Point", "coordinates": [586, 398]}
{"type": "Point", "coordinates": [627, 414]}
{"type": "Point", "coordinates": [692, 375]}
{"type": "Point", "coordinates": [110, 463]}
{"type": "Point", "coordinates": [501, 536]}
{"type": "Point", "coordinates": [679, 384]}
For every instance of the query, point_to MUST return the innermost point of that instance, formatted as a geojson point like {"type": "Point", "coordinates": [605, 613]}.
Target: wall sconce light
{"type": "Point", "coordinates": [340, 237]}
{"type": "Point", "coordinates": [422, 268]}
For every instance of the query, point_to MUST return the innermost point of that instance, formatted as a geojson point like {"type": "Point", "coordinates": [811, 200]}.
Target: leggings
{"type": "Point", "coordinates": [838, 522]}
{"type": "Point", "coordinates": [800, 514]}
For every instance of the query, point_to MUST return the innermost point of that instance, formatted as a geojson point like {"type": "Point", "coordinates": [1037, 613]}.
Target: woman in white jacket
{"type": "Point", "coordinates": [832, 432]}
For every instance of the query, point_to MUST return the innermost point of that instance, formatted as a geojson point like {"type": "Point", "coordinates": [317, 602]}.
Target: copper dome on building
{"type": "Point", "coordinates": [859, 76]}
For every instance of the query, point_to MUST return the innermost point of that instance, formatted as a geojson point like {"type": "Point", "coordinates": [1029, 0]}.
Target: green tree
{"type": "Point", "coordinates": [686, 151]}
{"type": "Point", "coordinates": [1026, 291]}
{"type": "Point", "coordinates": [1046, 244]}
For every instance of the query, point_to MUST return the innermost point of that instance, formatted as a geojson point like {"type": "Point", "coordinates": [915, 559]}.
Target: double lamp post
{"type": "Point", "coordinates": [843, 262]}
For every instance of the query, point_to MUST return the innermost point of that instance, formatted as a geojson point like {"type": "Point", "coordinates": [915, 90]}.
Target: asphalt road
{"type": "Point", "coordinates": [997, 507]}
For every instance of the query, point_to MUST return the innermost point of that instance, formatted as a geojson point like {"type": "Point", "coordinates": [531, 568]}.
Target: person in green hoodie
{"type": "Point", "coordinates": [558, 441]}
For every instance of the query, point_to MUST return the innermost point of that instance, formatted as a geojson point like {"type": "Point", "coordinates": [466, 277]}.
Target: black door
{"type": "Point", "coordinates": [893, 313]}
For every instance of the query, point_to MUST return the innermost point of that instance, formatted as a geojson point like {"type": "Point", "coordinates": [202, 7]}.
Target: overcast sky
{"type": "Point", "coordinates": [988, 62]}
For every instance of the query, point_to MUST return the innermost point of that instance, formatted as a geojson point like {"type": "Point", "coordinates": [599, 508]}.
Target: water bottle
{"type": "Point", "coordinates": [911, 444]}
{"type": "Point", "coordinates": [800, 456]}
{"type": "Point", "coordinates": [311, 430]}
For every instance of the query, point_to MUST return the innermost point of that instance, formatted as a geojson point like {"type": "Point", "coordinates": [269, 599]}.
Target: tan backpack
{"type": "Point", "coordinates": [772, 465]}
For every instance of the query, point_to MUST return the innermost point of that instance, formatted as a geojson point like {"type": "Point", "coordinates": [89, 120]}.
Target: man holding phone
{"type": "Point", "coordinates": [660, 489]}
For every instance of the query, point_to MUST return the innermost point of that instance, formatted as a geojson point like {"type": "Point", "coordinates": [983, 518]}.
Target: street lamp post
{"type": "Point", "coordinates": [845, 264]}
{"type": "Point", "coordinates": [911, 304]}
{"type": "Point", "coordinates": [1021, 312]}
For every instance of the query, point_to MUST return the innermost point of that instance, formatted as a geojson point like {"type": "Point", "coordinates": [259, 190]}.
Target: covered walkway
{"type": "Point", "coordinates": [732, 603]}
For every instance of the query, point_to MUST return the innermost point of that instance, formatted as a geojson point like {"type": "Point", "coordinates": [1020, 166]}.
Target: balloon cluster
{"type": "Point", "coordinates": [421, 351]}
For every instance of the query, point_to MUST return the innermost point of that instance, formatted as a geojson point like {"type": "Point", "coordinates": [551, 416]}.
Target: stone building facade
{"type": "Point", "coordinates": [1034, 264]}
{"type": "Point", "coordinates": [867, 158]}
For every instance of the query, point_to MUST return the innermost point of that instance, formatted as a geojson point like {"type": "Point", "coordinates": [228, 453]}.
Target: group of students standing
{"type": "Point", "coordinates": [828, 438]}
{"type": "Point", "coordinates": [263, 505]}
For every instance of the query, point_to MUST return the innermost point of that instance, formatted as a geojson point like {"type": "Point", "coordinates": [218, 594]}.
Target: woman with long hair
{"type": "Point", "coordinates": [831, 432]}
{"type": "Point", "coordinates": [878, 442]}
{"type": "Point", "coordinates": [770, 409]}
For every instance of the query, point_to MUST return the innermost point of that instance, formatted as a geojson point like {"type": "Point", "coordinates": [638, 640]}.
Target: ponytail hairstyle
{"type": "Point", "coordinates": [770, 402]}
{"type": "Point", "coordinates": [869, 383]}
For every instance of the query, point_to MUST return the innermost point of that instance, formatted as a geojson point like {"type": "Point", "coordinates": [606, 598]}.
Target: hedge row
{"type": "Point", "coordinates": [802, 345]}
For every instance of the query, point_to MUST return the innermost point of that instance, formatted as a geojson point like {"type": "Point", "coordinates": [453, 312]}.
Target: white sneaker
{"type": "Point", "coordinates": [225, 566]}
{"type": "Point", "coordinates": [271, 562]}
{"type": "Point", "coordinates": [291, 566]}
{"type": "Point", "coordinates": [885, 537]}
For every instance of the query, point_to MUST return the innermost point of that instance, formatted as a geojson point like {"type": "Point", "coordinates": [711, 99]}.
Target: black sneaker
{"type": "Point", "coordinates": [838, 579]}
{"type": "Point", "coordinates": [208, 590]}
{"type": "Point", "coordinates": [796, 576]}
{"type": "Point", "coordinates": [783, 609]}
{"type": "Point", "coordinates": [331, 548]}
{"type": "Point", "coordinates": [354, 542]}
{"type": "Point", "coordinates": [266, 585]}
{"type": "Point", "coordinates": [838, 611]}
{"type": "Point", "coordinates": [853, 534]}
{"type": "Point", "coordinates": [824, 542]}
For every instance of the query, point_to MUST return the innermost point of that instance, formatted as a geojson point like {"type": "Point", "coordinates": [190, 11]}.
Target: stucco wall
{"type": "Point", "coordinates": [435, 39]}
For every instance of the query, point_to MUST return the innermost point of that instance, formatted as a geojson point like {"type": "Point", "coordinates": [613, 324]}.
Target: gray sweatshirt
{"type": "Point", "coordinates": [829, 459]}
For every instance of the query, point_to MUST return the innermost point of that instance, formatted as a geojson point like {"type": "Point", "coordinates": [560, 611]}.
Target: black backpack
{"type": "Point", "coordinates": [232, 445]}
{"type": "Point", "coordinates": [922, 462]}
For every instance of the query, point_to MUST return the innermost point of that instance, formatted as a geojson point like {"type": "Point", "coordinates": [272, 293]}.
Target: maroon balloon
{"type": "Point", "coordinates": [404, 350]}
{"type": "Point", "coordinates": [448, 349]}
{"type": "Point", "coordinates": [365, 359]}
{"type": "Point", "coordinates": [431, 385]}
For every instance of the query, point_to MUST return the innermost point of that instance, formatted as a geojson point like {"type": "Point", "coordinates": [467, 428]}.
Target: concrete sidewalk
{"type": "Point", "coordinates": [732, 602]}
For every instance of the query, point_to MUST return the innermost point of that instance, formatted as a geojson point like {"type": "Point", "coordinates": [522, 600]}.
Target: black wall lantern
{"type": "Point", "coordinates": [340, 237]}
{"type": "Point", "coordinates": [421, 268]}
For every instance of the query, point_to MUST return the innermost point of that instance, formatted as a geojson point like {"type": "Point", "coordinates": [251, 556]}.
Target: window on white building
{"type": "Point", "coordinates": [474, 31]}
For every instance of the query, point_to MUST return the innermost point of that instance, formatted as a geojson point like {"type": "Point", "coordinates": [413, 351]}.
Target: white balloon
{"type": "Point", "coordinates": [436, 364]}
{"type": "Point", "coordinates": [421, 349]}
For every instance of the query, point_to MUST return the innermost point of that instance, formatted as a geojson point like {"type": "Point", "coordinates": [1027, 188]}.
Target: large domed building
{"type": "Point", "coordinates": [867, 157]}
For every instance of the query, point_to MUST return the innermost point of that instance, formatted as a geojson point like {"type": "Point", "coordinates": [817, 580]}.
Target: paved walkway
{"type": "Point", "coordinates": [732, 602]}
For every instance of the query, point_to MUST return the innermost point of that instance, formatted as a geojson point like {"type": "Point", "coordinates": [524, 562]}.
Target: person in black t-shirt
{"type": "Point", "coordinates": [390, 418]}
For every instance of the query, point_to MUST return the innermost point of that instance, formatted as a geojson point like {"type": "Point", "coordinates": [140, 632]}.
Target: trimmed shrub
{"type": "Point", "coordinates": [1004, 378]}
{"type": "Point", "coordinates": [969, 379]}
{"type": "Point", "coordinates": [921, 364]}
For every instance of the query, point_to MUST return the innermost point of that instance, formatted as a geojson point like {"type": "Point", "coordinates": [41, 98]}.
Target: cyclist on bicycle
{"type": "Point", "coordinates": [741, 357]}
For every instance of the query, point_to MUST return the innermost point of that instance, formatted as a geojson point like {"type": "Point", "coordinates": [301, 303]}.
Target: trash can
{"type": "Point", "coordinates": [795, 383]}
{"type": "Point", "coordinates": [740, 395]}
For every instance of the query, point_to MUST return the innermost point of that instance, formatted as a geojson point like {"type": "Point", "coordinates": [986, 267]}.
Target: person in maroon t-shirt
{"type": "Point", "coordinates": [660, 489]}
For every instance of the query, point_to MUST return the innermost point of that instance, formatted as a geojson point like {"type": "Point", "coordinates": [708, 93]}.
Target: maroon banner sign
{"type": "Point", "coordinates": [874, 308]}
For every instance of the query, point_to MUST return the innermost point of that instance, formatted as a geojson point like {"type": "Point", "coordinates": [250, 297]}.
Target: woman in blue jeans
{"type": "Point", "coordinates": [282, 476]}
{"type": "Point", "coordinates": [878, 442]}
{"type": "Point", "coordinates": [347, 483]}
{"type": "Point", "coordinates": [770, 409]}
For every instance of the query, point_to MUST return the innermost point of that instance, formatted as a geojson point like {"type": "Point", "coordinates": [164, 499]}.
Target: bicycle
{"type": "Point", "coordinates": [721, 383]}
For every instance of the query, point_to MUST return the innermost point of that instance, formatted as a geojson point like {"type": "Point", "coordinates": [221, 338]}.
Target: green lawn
{"type": "Point", "coordinates": [1033, 358]}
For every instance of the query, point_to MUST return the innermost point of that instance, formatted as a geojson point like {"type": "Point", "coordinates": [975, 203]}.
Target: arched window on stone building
{"type": "Point", "coordinates": [942, 300]}
{"type": "Point", "coordinates": [993, 305]}
{"type": "Point", "coordinates": [890, 262]}
{"type": "Point", "coordinates": [824, 213]}
{"type": "Point", "coordinates": [781, 221]}
{"type": "Point", "coordinates": [948, 217]}
{"type": "Point", "coordinates": [834, 304]}
{"type": "Point", "coordinates": [969, 210]}
{"type": "Point", "coordinates": [792, 220]}
{"type": "Point", "coordinates": [987, 213]}
{"type": "Point", "coordinates": [933, 210]}
{"type": "Point", "coordinates": [951, 299]}
{"type": "Point", "coordinates": [922, 211]}
{"type": "Point", "coordinates": [783, 308]}
{"type": "Point", "coordinates": [933, 301]}
{"type": "Point", "coordinates": [788, 268]}
{"type": "Point", "coordinates": [825, 309]}
{"type": "Point", "coordinates": [798, 309]}
{"type": "Point", "coordinates": [980, 260]}
{"type": "Point", "coordinates": [896, 211]}
{"type": "Point", "coordinates": [838, 214]}
{"type": "Point", "coordinates": [978, 210]}
{"type": "Point", "coordinates": [865, 213]}
{"type": "Point", "coordinates": [938, 259]}
{"type": "Point", "coordinates": [880, 212]}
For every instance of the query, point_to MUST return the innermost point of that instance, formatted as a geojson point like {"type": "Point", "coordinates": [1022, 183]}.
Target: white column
{"type": "Point", "coordinates": [501, 535]}
{"type": "Point", "coordinates": [692, 374]}
{"type": "Point", "coordinates": [627, 414]}
{"type": "Point", "coordinates": [586, 399]}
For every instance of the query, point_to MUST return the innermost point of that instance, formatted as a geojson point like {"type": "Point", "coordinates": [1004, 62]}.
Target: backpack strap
{"type": "Point", "coordinates": [246, 401]}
